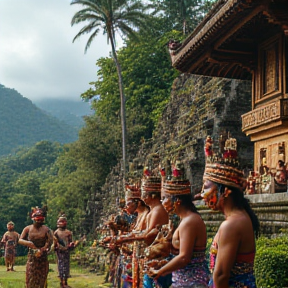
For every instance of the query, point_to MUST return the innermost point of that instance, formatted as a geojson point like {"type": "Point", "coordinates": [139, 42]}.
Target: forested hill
{"type": "Point", "coordinates": [23, 124]}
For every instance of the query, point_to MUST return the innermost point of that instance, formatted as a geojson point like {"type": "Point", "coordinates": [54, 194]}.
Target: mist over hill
{"type": "Point", "coordinates": [69, 111]}
{"type": "Point", "coordinates": [23, 124]}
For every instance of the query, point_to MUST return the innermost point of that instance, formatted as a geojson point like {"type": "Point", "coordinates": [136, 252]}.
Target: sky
{"type": "Point", "coordinates": [37, 56]}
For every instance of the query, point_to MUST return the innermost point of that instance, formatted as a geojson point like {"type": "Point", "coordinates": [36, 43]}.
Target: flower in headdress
{"type": "Point", "coordinates": [146, 172]}
{"type": "Point", "coordinates": [208, 146]}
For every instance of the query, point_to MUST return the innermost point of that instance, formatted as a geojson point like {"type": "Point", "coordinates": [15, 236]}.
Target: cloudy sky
{"type": "Point", "coordinates": [37, 56]}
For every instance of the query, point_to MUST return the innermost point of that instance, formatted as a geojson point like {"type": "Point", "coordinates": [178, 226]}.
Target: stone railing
{"type": "Point", "coordinates": [271, 210]}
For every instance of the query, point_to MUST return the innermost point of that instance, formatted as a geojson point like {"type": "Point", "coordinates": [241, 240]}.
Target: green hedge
{"type": "Point", "coordinates": [271, 262]}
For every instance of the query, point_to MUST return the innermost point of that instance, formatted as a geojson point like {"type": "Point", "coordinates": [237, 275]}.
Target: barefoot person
{"type": "Point", "coordinates": [10, 241]}
{"type": "Point", "coordinates": [63, 247]}
{"type": "Point", "coordinates": [188, 267]}
{"type": "Point", "coordinates": [39, 239]}
{"type": "Point", "coordinates": [233, 248]}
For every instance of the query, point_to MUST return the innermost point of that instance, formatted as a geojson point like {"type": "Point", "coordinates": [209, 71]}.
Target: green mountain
{"type": "Point", "coordinates": [23, 124]}
{"type": "Point", "coordinates": [69, 111]}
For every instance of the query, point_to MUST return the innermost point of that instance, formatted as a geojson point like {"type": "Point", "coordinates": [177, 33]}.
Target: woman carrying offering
{"type": "Point", "coordinates": [188, 266]}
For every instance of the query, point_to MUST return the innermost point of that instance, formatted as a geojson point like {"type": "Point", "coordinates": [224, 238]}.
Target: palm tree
{"type": "Point", "coordinates": [111, 16]}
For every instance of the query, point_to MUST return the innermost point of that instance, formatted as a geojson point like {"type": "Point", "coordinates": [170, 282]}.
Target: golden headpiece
{"type": "Point", "coordinates": [222, 164]}
{"type": "Point", "coordinates": [151, 180]}
{"type": "Point", "coordinates": [176, 183]}
{"type": "Point", "coordinates": [132, 191]}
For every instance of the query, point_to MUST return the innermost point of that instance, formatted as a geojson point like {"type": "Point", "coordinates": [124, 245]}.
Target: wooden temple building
{"type": "Point", "coordinates": [248, 40]}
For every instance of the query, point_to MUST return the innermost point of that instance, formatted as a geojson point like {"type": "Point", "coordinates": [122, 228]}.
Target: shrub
{"type": "Point", "coordinates": [271, 262]}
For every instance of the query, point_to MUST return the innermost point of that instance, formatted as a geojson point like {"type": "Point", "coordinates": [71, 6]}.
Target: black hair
{"type": "Point", "coordinates": [155, 194]}
{"type": "Point", "coordinates": [242, 203]}
{"type": "Point", "coordinates": [186, 201]}
{"type": "Point", "coordinates": [138, 200]}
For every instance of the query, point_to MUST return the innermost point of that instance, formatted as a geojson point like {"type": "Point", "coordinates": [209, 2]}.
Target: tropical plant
{"type": "Point", "coordinates": [184, 14]}
{"type": "Point", "coordinates": [111, 16]}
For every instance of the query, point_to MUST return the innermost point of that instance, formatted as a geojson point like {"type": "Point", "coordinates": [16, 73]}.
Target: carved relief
{"type": "Point", "coordinates": [261, 115]}
{"type": "Point", "coordinates": [265, 114]}
{"type": "Point", "coordinates": [270, 69]}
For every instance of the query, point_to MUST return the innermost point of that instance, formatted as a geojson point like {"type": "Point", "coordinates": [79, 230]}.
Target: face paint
{"type": "Point", "coordinates": [38, 219]}
{"type": "Point", "coordinates": [61, 223]}
{"type": "Point", "coordinates": [210, 194]}
{"type": "Point", "coordinates": [168, 204]}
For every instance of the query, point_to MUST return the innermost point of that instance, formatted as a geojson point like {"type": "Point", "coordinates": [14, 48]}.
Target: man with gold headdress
{"type": "Point", "coordinates": [10, 241]}
{"type": "Point", "coordinates": [157, 217]}
{"type": "Point", "coordinates": [135, 204]}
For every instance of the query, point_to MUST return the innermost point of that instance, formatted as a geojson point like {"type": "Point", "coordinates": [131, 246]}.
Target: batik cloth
{"type": "Point", "coordinates": [63, 261]}
{"type": "Point", "coordinates": [37, 268]}
{"type": "Point", "coordinates": [242, 273]}
{"type": "Point", "coordinates": [195, 274]}
{"type": "Point", "coordinates": [10, 249]}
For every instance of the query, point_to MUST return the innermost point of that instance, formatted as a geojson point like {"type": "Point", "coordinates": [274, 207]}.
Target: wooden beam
{"type": "Point", "coordinates": [235, 52]}
{"type": "Point", "coordinates": [256, 11]}
{"type": "Point", "coordinates": [200, 59]}
{"type": "Point", "coordinates": [233, 57]}
{"type": "Point", "coordinates": [228, 69]}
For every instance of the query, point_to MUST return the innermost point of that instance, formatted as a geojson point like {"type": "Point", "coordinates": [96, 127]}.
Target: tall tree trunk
{"type": "Point", "coordinates": [123, 109]}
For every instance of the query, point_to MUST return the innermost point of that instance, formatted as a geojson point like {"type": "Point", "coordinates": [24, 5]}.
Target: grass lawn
{"type": "Point", "coordinates": [80, 278]}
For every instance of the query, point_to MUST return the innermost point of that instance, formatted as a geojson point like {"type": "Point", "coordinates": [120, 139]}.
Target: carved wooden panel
{"type": "Point", "coordinates": [270, 70]}
{"type": "Point", "coordinates": [275, 110]}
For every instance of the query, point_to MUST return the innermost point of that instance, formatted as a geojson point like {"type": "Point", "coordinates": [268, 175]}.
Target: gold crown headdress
{"type": "Point", "coordinates": [176, 183]}
{"type": "Point", "coordinates": [222, 163]}
{"type": "Point", "coordinates": [132, 190]}
{"type": "Point", "coordinates": [151, 180]}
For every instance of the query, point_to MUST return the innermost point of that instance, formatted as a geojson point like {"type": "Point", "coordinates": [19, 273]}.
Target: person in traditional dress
{"type": "Point", "coordinates": [233, 248]}
{"type": "Point", "coordinates": [157, 217]}
{"type": "Point", "coordinates": [39, 238]}
{"type": "Point", "coordinates": [189, 267]}
{"type": "Point", "coordinates": [134, 204]}
{"type": "Point", "coordinates": [9, 241]}
{"type": "Point", "coordinates": [64, 245]}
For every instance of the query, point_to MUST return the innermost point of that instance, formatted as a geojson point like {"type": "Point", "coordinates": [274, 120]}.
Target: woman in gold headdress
{"type": "Point", "coordinates": [233, 249]}
{"type": "Point", "coordinates": [189, 267]}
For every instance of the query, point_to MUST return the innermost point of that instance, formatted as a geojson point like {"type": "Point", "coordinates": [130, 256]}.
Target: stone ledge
{"type": "Point", "coordinates": [268, 198]}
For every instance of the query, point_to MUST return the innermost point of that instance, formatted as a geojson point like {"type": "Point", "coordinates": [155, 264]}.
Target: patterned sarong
{"type": "Point", "coordinates": [36, 270]}
{"type": "Point", "coordinates": [63, 261]}
{"type": "Point", "coordinates": [195, 274]}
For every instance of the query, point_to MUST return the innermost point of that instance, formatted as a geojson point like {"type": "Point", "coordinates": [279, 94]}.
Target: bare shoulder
{"type": "Point", "coordinates": [27, 228]}
{"type": "Point", "coordinates": [193, 222]}
{"type": "Point", "coordinates": [231, 227]}
{"type": "Point", "coordinates": [25, 231]}
{"type": "Point", "coordinates": [47, 229]}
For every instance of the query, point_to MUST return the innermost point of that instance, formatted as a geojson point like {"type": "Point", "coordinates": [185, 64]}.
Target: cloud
{"type": "Point", "coordinates": [37, 55]}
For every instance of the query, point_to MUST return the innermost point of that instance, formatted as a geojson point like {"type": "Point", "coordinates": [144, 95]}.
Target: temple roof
{"type": "Point", "coordinates": [225, 43]}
